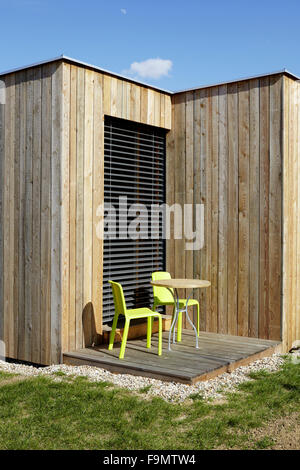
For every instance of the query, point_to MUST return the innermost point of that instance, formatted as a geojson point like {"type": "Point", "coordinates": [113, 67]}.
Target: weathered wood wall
{"type": "Point", "coordinates": [51, 154]}
{"type": "Point", "coordinates": [232, 147]}
{"type": "Point", "coordinates": [225, 151]}
{"type": "Point", "coordinates": [30, 158]}
{"type": "Point", "coordinates": [291, 207]}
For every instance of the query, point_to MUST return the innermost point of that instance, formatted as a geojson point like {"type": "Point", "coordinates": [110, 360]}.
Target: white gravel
{"type": "Point", "coordinates": [170, 391]}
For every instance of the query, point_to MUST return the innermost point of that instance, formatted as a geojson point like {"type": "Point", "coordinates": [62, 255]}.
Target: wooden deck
{"type": "Point", "coordinates": [217, 354]}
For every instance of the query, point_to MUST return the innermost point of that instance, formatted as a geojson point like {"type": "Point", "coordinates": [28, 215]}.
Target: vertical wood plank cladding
{"type": "Point", "coordinates": [189, 189]}
{"type": "Point", "coordinates": [233, 221]}
{"type": "Point", "coordinates": [291, 274]}
{"type": "Point", "coordinates": [46, 215]}
{"type": "Point", "coordinates": [275, 201]}
{"type": "Point", "coordinates": [243, 287]}
{"type": "Point", "coordinates": [56, 147]}
{"type": "Point", "coordinates": [12, 229]}
{"type": "Point", "coordinates": [294, 202]}
{"type": "Point", "coordinates": [9, 324]}
{"type": "Point", "coordinates": [201, 294]}
{"type": "Point", "coordinates": [205, 294]}
{"type": "Point", "coordinates": [213, 315]}
{"type": "Point", "coordinates": [21, 222]}
{"type": "Point", "coordinates": [144, 105]}
{"type": "Point", "coordinates": [168, 116]}
{"type": "Point", "coordinates": [150, 108]}
{"type": "Point", "coordinates": [36, 218]}
{"type": "Point", "coordinates": [106, 95]}
{"type": "Point", "coordinates": [114, 96]}
{"type": "Point", "coordinates": [28, 216]}
{"type": "Point", "coordinates": [179, 161]}
{"type": "Point", "coordinates": [296, 328]}
{"type": "Point", "coordinates": [135, 102]}
{"type": "Point", "coordinates": [5, 220]}
{"type": "Point", "coordinates": [119, 109]}
{"type": "Point", "coordinates": [157, 115]}
{"type": "Point", "coordinates": [98, 197]}
{"type": "Point", "coordinates": [198, 100]}
{"type": "Point", "coordinates": [124, 107]}
{"type": "Point", "coordinates": [6, 193]}
{"type": "Point", "coordinates": [65, 208]}
{"type": "Point", "coordinates": [295, 309]}
{"type": "Point", "coordinates": [170, 196]}
{"type": "Point", "coordinates": [72, 247]}
{"type": "Point", "coordinates": [264, 208]}
{"type": "Point", "coordinates": [16, 212]}
{"type": "Point", "coordinates": [79, 204]}
{"type": "Point", "coordinates": [286, 211]}
{"type": "Point", "coordinates": [254, 209]}
{"type": "Point", "coordinates": [127, 88]}
{"type": "Point", "coordinates": [290, 214]}
{"type": "Point", "coordinates": [293, 206]}
{"type": "Point", "coordinates": [223, 209]}
{"type": "Point", "coordinates": [88, 201]}
{"type": "Point", "coordinates": [2, 158]}
{"type": "Point", "coordinates": [162, 110]}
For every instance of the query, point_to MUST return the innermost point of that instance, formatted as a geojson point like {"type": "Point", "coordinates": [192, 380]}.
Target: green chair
{"type": "Point", "coordinates": [120, 309]}
{"type": "Point", "coordinates": [163, 296]}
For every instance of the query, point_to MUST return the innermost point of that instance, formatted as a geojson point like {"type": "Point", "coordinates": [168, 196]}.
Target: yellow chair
{"type": "Point", "coordinates": [163, 296]}
{"type": "Point", "coordinates": [120, 309]}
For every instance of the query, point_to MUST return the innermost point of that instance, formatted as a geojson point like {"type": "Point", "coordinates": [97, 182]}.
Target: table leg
{"type": "Point", "coordinates": [175, 318]}
{"type": "Point", "coordinates": [190, 321]}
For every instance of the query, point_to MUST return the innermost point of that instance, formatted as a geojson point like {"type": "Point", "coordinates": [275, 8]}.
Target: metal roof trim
{"type": "Point", "coordinates": [85, 64]}
{"type": "Point", "coordinates": [251, 77]}
{"type": "Point", "coordinates": [132, 80]}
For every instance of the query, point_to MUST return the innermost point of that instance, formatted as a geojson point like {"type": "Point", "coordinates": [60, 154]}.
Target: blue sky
{"type": "Point", "coordinates": [197, 42]}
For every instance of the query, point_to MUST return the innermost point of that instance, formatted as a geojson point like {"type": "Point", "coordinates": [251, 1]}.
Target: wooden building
{"type": "Point", "coordinates": [233, 147]}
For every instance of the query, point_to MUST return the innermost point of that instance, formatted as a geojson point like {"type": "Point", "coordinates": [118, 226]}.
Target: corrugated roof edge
{"type": "Point", "coordinates": [131, 80]}
{"type": "Point", "coordinates": [85, 64]}
{"type": "Point", "coordinates": [242, 79]}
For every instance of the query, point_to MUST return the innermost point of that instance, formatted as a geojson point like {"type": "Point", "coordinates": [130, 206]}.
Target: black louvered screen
{"type": "Point", "coordinates": [134, 167]}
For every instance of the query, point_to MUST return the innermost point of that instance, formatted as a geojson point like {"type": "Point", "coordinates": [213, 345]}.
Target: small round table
{"type": "Point", "coordinates": [173, 285]}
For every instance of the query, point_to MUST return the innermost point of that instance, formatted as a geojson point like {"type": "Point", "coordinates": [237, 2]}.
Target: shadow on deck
{"type": "Point", "coordinates": [216, 354]}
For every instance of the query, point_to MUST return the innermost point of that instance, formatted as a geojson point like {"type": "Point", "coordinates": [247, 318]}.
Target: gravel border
{"type": "Point", "coordinates": [169, 391]}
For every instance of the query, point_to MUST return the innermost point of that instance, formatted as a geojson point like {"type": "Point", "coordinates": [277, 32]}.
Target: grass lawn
{"type": "Point", "coordinates": [73, 413]}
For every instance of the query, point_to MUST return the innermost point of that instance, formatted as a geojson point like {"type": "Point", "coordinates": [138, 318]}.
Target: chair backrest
{"type": "Point", "coordinates": [119, 299]}
{"type": "Point", "coordinates": [162, 294]}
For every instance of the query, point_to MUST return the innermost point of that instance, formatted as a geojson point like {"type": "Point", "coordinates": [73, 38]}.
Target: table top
{"type": "Point", "coordinates": [181, 283]}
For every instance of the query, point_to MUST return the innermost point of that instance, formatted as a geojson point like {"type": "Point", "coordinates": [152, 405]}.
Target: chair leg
{"type": "Point", "coordinates": [149, 331]}
{"type": "Point", "coordinates": [159, 335]}
{"type": "Point", "coordinates": [198, 319]}
{"type": "Point", "coordinates": [113, 332]}
{"type": "Point", "coordinates": [124, 339]}
{"type": "Point", "coordinates": [179, 326]}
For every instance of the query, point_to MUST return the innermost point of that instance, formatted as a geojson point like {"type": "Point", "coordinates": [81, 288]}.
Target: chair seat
{"type": "Point", "coordinates": [141, 313]}
{"type": "Point", "coordinates": [182, 302]}
{"type": "Point", "coordinates": [191, 302]}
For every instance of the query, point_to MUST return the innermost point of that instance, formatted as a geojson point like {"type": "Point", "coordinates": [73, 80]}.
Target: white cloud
{"type": "Point", "coordinates": [123, 11]}
{"type": "Point", "coordinates": [150, 68]}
